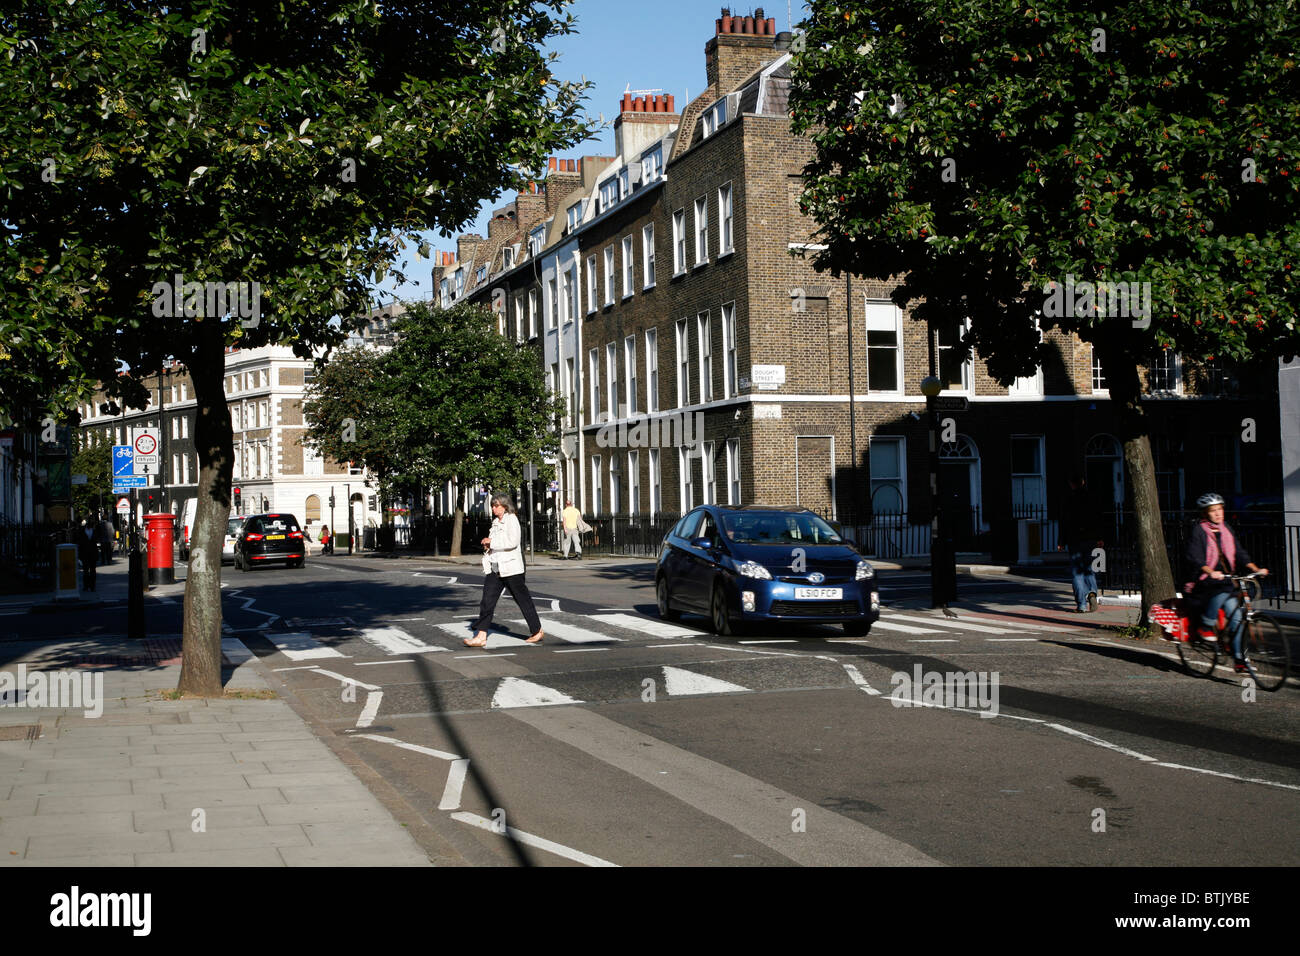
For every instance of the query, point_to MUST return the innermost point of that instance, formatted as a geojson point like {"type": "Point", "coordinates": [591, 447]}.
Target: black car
{"type": "Point", "coordinates": [763, 564]}
{"type": "Point", "coordinates": [267, 538]}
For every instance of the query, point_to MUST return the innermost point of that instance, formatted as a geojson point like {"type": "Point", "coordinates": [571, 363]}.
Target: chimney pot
{"type": "Point", "coordinates": [638, 104]}
{"type": "Point", "coordinates": [626, 104]}
{"type": "Point", "coordinates": [771, 26]}
{"type": "Point", "coordinates": [670, 103]}
{"type": "Point", "coordinates": [747, 26]}
{"type": "Point", "coordinates": [550, 164]}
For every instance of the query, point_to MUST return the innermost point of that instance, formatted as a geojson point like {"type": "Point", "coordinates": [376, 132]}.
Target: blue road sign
{"type": "Point", "coordinates": [123, 460]}
{"type": "Point", "coordinates": [124, 482]}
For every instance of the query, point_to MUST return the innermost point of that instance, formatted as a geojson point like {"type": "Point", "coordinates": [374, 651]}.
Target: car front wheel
{"type": "Point", "coordinates": [718, 613]}
{"type": "Point", "coordinates": [662, 598]}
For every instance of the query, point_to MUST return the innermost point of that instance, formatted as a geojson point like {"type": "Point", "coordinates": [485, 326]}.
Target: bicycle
{"type": "Point", "coordinates": [1268, 656]}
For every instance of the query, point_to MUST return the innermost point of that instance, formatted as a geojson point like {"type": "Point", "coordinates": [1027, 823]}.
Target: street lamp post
{"type": "Point", "coordinates": [943, 568]}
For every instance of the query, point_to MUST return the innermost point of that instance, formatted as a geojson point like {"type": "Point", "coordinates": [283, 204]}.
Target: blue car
{"type": "Point", "coordinates": [738, 565]}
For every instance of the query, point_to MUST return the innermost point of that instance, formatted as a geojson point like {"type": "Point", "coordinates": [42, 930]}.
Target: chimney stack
{"type": "Point", "coordinates": [740, 46]}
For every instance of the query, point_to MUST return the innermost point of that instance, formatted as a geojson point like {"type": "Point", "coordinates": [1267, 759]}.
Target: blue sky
{"type": "Point", "coordinates": [657, 45]}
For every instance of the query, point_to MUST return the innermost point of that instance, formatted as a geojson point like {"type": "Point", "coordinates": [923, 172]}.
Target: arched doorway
{"type": "Point", "coordinates": [313, 508]}
{"type": "Point", "coordinates": [959, 477]}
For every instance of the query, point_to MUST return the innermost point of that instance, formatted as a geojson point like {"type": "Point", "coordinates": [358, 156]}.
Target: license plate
{"type": "Point", "coordinates": [819, 594]}
{"type": "Point", "coordinates": [275, 537]}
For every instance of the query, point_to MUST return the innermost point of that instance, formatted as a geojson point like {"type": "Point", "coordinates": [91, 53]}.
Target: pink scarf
{"type": "Point", "coordinates": [1229, 544]}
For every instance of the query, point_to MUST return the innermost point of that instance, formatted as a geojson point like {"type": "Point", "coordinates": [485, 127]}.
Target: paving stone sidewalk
{"type": "Point", "coordinates": [156, 782]}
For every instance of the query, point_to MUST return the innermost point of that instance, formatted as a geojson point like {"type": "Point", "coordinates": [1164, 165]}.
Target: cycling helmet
{"type": "Point", "coordinates": [1209, 500]}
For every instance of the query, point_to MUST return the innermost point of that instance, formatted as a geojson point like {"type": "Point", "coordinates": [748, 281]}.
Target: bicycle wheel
{"type": "Point", "coordinates": [1198, 656]}
{"type": "Point", "coordinates": [1267, 652]}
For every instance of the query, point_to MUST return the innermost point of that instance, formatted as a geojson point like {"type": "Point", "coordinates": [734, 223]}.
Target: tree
{"type": "Point", "coordinates": [93, 461]}
{"type": "Point", "coordinates": [984, 152]}
{"type": "Point", "coordinates": [179, 177]}
{"type": "Point", "coordinates": [453, 400]}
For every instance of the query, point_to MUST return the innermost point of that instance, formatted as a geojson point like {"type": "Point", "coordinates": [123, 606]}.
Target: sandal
{"type": "Point", "coordinates": [477, 640]}
{"type": "Point", "coordinates": [536, 638]}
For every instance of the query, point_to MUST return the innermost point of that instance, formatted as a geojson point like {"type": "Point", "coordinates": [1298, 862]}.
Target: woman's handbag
{"type": "Point", "coordinates": [489, 566]}
{"type": "Point", "coordinates": [583, 527]}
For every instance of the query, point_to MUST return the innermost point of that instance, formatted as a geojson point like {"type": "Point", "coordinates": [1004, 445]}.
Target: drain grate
{"type": "Point", "coordinates": [21, 732]}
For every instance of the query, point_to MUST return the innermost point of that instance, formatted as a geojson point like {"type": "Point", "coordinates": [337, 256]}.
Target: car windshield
{"type": "Point", "coordinates": [778, 527]}
{"type": "Point", "coordinates": [278, 524]}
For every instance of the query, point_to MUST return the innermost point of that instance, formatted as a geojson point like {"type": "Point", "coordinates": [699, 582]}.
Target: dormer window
{"type": "Point", "coordinates": [535, 240]}
{"type": "Point", "coordinates": [574, 217]}
{"type": "Point", "coordinates": [507, 257]}
{"type": "Point", "coordinates": [460, 282]}
{"type": "Point", "coordinates": [624, 183]}
{"type": "Point", "coordinates": [715, 117]}
{"type": "Point", "coordinates": [480, 275]}
{"type": "Point", "coordinates": [652, 163]}
{"type": "Point", "coordinates": [608, 194]}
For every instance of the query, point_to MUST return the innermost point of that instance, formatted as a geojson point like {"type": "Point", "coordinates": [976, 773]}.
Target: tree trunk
{"type": "Point", "coordinates": [457, 529]}
{"type": "Point", "coordinates": [201, 643]}
{"type": "Point", "coordinates": [1126, 393]}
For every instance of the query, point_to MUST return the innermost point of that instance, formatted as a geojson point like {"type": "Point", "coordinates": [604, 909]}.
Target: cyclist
{"type": "Point", "coordinates": [1212, 554]}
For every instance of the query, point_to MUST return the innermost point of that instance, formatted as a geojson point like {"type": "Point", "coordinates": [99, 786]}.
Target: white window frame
{"type": "Point", "coordinates": [652, 164]}
{"type": "Point", "coordinates": [615, 483]}
{"type": "Point", "coordinates": [709, 464]}
{"type": "Point", "coordinates": [701, 231]}
{"type": "Point", "coordinates": [733, 471]}
{"type": "Point", "coordinates": [609, 275]}
{"type": "Point", "coordinates": [629, 268]}
{"type": "Point", "coordinates": [573, 215]}
{"type": "Point", "coordinates": [1018, 478]}
{"type": "Point", "coordinates": [629, 373]}
{"type": "Point", "coordinates": [536, 240]}
{"type": "Point", "coordinates": [532, 313]}
{"type": "Point", "coordinates": [592, 304]}
{"type": "Point", "coordinates": [648, 255]}
{"type": "Point", "coordinates": [878, 481]}
{"type": "Point", "coordinates": [611, 380]}
{"type": "Point", "coordinates": [624, 183]}
{"type": "Point", "coordinates": [593, 376]}
{"type": "Point", "coordinates": [729, 356]}
{"type": "Point", "coordinates": [552, 305]}
{"type": "Point", "coordinates": [656, 483]}
{"type": "Point", "coordinates": [726, 238]}
{"type": "Point", "coordinates": [686, 488]}
{"type": "Point", "coordinates": [652, 369]}
{"type": "Point", "coordinates": [683, 363]}
{"type": "Point", "coordinates": [679, 242]}
{"type": "Point", "coordinates": [608, 193]}
{"type": "Point", "coordinates": [633, 482]}
{"type": "Point", "coordinates": [704, 329]}
{"type": "Point", "coordinates": [596, 489]}
{"type": "Point", "coordinates": [884, 316]}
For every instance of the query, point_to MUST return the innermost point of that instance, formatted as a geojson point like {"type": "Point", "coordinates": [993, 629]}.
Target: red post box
{"type": "Point", "coordinates": [161, 529]}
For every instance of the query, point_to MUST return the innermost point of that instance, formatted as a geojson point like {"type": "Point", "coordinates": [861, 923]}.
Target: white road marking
{"type": "Point", "coordinates": [944, 622]}
{"type": "Point", "coordinates": [582, 650]}
{"type": "Point", "coordinates": [473, 819]}
{"type": "Point", "coordinates": [555, 604]}
{"type": "Point", "coordinates": [653, 647]}
{"type": "Point", "coordinates": [884, 625]}
{"type": "Point", "coordinates": [516, 692]}
{"type": "Point", "coordinates": [303, 667]}
{"type": "Point", "coordinates": [1024, 626]}
{"type": "Point", "coordinates": [615, 609]}
{"type": "Point", "coordinates": [1230, 776]}
{"type": "Point", "coordinates": [572, 633]}
{"type": "Point", "coordinates": [406, 620]}
{"type": "Point", "coordinates": [1101, 743]}
{"type": "Point", "coordinates": [470, 657]}
{"type": "Point", "coordinates": [371, 710]}
{"type": "Point", "coordinates": [300, 646]}
{"type": "Point", "coordinates": [781, 641]}
{"type": "Point", "coordinates": [645, 625]}
{"type": "Point", "coordinates": [462, 631]}
{"type": "Point", "coordinates": [455, 782]}
{"type": "Point", "coordinates": [406, 660]}
{"type": "Point", "coordinates": [395, 641]}
{"type": "Point", "coordinates": [1032, 640]}
{"type": "Point", "coordinates": [684, 683]}
{"type": "Point", "coordinates": [857, 678]}
{"type": "Point", "coordinates": [440, 754]}
{"type": "Point", "coordinates": [934, 640]}
{"type": "Point", "coordinates": [346, 680]}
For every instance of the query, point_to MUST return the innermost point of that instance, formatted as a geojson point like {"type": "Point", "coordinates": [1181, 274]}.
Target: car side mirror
{"type": "Point", "coordinates": [707, 544]}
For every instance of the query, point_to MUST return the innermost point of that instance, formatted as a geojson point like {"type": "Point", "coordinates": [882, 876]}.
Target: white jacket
{"type": "Point", "coordinates": [503, 547]}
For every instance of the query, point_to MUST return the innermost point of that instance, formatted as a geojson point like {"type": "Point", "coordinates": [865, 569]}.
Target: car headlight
{"type": "Point", "coordinates": [752, 569]}
{"type": "Point", "coordinates": [865, 570]}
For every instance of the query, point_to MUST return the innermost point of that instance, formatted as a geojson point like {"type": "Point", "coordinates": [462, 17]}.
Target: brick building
{"type": "Point", "coordinates": [703, 359]}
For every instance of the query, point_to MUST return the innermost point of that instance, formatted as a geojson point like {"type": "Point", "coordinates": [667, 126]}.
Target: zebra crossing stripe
{"type": "Point", "coordinates": [885, 625]}
{"type": "Point", "coordinates": [684, 683]}
{"type": "Point", "coordinates": [571, 632]}
{"type": "Point", "coordinates": [960, 625]}
{"type": "Point", "coordinates": [645, 625]}
{"type": "Point", "coordinates": [516, 692]}
{"type": "Point", "coordinates": [394, 641]}
{"type": "Point", "coordinates": [494, 641]}
{"type": "Point", "coordinates": [299, 646]}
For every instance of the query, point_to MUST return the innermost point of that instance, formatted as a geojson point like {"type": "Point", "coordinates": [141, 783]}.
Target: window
{"type": "Point", "coordinates": [571, 292]}
{"type": "Point", "coordinates": [684, 473]}
{"type": "Point", "coordinates": [176, 428]}
{"type": "Point", "coordinates": [609, 275]}
{"type": "Point", "coordinates": [571, 389]}
{"type": "Point", "coordinates": [633, 482]}
{"type": "Point", "coordinates": [733, 471]}
{"type": "Point", "coordinates": [1163, 373]}
{"type": "Point", "coordinates": [566, 295]}
{"type": "Point", "coordinates": [679, 242]}
{"type": "Point", "coordinates": [729, 389]}
{"type": "Point", "coordinates": [628, 277]}
{"type": "Point", "coordinates": [1028, 386]}
{"type": "Point", "coordinates": [551, 303]}
{"type": "Point", "coordinates": [701, 231]}
{"type": "Point", "coordinates": [715, 117]}
{"type": "Point", "coordinates": [656, 484]}
{"type": "Point", "coordinates": [648, 254]}
{"type": "Point", "coordinates": [652, 163]}
{"type": "Point", "coordinates": [1098, 376]}
{"type": "Point", "coordinates": [709, 463]}
{"type": "Point", "coordinates": [888, 488]}
{"type": "Point", "coordinates": [683, 364]}
{"type": "Point", "coordinates": [705, 330]}
{"type": "Point", "coordinates": [652, 370]}
{"type": "Point", "coordinates": [519, 319]}
{"type": "Point", "coordinates": [593, 382]}
{"type": "Point", "coordinates": [264, 415]}
{"type": "Point", "coordinates": [608, 193]}
{"type": "Point", "coordinates": [615, 484]}
{"type": "Point", "coordinates": [629, 373]}
{"type": "Point", "coordinates": [460, 282]}
{"type": "Point", "coordinates": [624, 183]}
{"type": "Point", "coordinates": [724, 219]}
{"type": "Point", "coordinates": [508, 257]}
{"type": "Point", "coordinates": [312, 463]}
{"type": "Point", "coordinates": [480, 275]}
{"type": "Point", "coordinates": [611, 379]}
{"type": "Point", "coordinates": [592, 304]}
{"type": "Point", "coordinates": [1167, 456]}
{"type": "Point", "coordinates": [1028, 487]}
{"type": "Point", "coordinates": [573, 218]}
{"type": "Point", "coordinates": [532, 313]}
{"type": "Point", "coordinates": [176, 469]}
{"type": "Point", "coordinates": [952, 370]}
{"type": "Point", "coordinates": [595, 485]}
{"type": "Point", "coordinates": [1223, 463]}
{"type": "Point", "coordinates": [884, 358]}
{"type": "Point", "coordinates": [535, 240]}
{"type": "Point", "coordinates": [444, 292]}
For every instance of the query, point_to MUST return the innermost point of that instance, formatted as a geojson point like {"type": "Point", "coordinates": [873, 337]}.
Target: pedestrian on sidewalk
{"type": "Point", "coordinates": [572, 519]}
{"type": "Point", "coordinates": [1081, 537]}
{"type": "Point", "coordinates": [105, 540]}
{"type": "Point", "coordinates": [88, 551]}
{"type": "Point", "coordinates": [326, 542]}
{"type": "Point", "coordinates": [503, 567]}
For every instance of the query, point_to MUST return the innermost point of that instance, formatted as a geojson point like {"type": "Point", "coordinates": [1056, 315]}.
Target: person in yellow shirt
{"type": "Point", "coordinates": [571, 516]}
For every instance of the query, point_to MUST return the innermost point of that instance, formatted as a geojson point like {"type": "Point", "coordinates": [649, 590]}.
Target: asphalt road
{"type": "Point", "coordinates": [629, 741]}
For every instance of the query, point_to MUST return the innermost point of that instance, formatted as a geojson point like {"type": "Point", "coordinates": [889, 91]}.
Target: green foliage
{"type": "Point", "coordinates": [1123, 141]}
{"type": "Point", "coordinates": [299, 145]}
{"type": "Point", "coordinates": [93, 461]}
{"type": "Point", "coordinates": [452, 399]}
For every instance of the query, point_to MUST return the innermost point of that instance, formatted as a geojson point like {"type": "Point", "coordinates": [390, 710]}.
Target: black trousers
{"type": "Point", "coordinates": [492, 586]}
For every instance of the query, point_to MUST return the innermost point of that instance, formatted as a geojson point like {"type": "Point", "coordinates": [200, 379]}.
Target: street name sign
{"type": "Point", "coordinates": [950, 403]}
